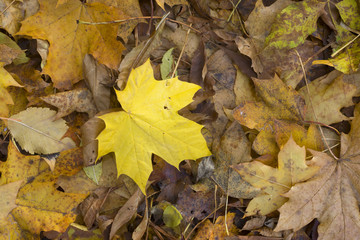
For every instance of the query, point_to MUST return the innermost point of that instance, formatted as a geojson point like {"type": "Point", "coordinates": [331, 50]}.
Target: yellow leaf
{"type": "Point", "coordinates": [150, 124]}
{"type": "Point", "coordinates": [40, 206]}
{"type": "Point", "coordinates": [6, 80]}
{"type": "Point", "coordinates": [278, 102]}
{"type": "Point", "coordinates": [70, 41]}
{"type": "Point", "coordinates": [161, 4]}
{"type": "Point", "coordinates": [274, 182]}
{"type": "Point", "coordinates": [36, 132]}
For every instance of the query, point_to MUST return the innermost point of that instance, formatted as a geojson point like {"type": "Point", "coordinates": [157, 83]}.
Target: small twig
{"type": "Point", "coordinates": [347, 44]}
{"type": "Point", "coordinates": [232, 12]}
{"type": "Point", "coordinates": [7, 7]}
{"type": "Point", "coordinates": [181, 53]}
{"type": "Point", "coordinates": [137, 18]}
{"type": "Point", "coordinates": [226, 207]}
{"type": "Point", "coordinates": [312, 106]}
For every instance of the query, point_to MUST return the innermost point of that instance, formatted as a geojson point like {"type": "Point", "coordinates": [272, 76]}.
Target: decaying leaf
{"type": "Point", "coordinates": [8, 196]}
{"type": "Point", "coordinates": [35, 131]}
{"type": "Point", "coordinates": [331, 195]}
{"type": "Point", "coordinates": [326, 96]}
{"type": "Point", "coordinates": [70, 40]}
{"type": "Point", "coordinates": [210, 231]}
{"type": "Point", "coordinates": [278, 102]}
{"type": "Point", "coordinates": [79, 100]}
{"type": "Point", "coordinates": [294, 24]}
{"type": "Point", "coordinates": [274, 182]}
{"type": "Point", "coordinates": [150, 124]}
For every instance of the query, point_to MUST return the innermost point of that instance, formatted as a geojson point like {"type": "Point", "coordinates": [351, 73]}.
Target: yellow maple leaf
{"type": "Point", "coordinates": [70, 41]}
{"type": "Point", "coordinates": [274, 182]}
{"type": "Point", "coordinates": [150, 124]}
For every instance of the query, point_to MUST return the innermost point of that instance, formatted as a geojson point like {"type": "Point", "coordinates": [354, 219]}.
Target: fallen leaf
{"type": "Point", "coordinates": [274, 182]}
{"type": "Point", "coordinates": [331, 195]}
{"type": "Point", "coordinates": [94, 172]}
{"type": "Point", "coordinates": [294, 24]}
{"type": "Point", "coordinates": [79, 100]}
{"type": "Point", "coordinates": [35, 131]}
{"type": "Point", "coordinates": [171, 216]}
{"type": "Point", "coordinates": [349, 14]}
{"type": "Point", "coordinates": [234, 148]}
{"type": "Point", "coordinates": [126, 212]}
{"type": "Point", "coordinates": [326, 96]}
{"type": "Point", "coordinates": [8, 193]}
{"type": "Point", "coordinates": [99, 79]}
{"type": "Point", "coordinates": [278, 102]}
{"type": "Point", "coordinates": [150, 124]}
{"type": "Point", "coordinates": [40, 206]}
{"type": "Point", "coordinates": [70, 40]}
{"type": "Point", "coordinates": [5, 99]}
{"type": "Point", "coordinates": [217, 230]}
{"type": "Point", "coordinates": [347, 61]}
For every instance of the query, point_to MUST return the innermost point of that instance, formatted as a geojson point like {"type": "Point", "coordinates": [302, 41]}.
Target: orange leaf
{"type": "Point", "coordinates": [70, 41]}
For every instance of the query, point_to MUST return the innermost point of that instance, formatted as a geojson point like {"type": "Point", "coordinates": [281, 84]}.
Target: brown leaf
{"type": "Point", "coordinates": [99, 79]}
{"type": "Point", "coordinates": [331, 196]}
{"type": "Point", "coordinates": [126, 212]}
{"type": "Point", "coordinates": [79, 100]}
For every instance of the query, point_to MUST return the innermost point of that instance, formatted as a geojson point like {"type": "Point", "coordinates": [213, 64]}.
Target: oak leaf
{"type": "Point", "coordinates": [331, 195]}
{"type": "Point", "coordinates": [274, 182]}
{"type": "Point", "coordinates": [70, 41]}
{"type": "Point", "coordinates": [150, 124]}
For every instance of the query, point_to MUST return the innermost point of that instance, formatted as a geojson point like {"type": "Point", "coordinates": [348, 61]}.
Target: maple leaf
{"type": "Point", "coordinates": [150, 124]}
{"type": "Point", "coordinates": [328, 94]}
{"type": "Point", "coordinates": [274, 182]}
{"type": "Point", "coordinates": [70, 41]}
{"type": "Point", "coordinates": [5, 98]}
{"type": "Point", "coordinates": [278, 102]}
{"type": "Point", "coordinates": [331, 195]}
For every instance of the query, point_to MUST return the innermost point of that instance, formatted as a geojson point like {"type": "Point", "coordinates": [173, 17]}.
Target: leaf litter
{"type": "Point", "coordinates": [100, 140]}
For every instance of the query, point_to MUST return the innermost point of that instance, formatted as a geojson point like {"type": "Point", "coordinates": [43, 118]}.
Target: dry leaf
{"type": "Point", "coordinates": [79, 100]}
{"type": "Point", "coordinates": [274, 182]}
{"type": "Point", "coordinates": [70, 40]}
{"type": "Point", "coordinates": [331, 195]}
{"type": "Point", "coordinates": [35, 131]}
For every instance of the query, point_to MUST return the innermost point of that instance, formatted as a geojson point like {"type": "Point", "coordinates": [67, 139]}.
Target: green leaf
{"type": "Point", "coordinates": [167, 63]}
{"type": "Point", "coordinates": [94, 172]}
{"type": "Point", "coordinates": [171, 216]}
